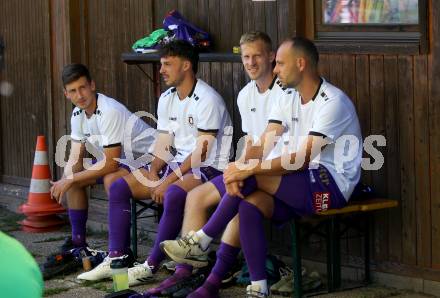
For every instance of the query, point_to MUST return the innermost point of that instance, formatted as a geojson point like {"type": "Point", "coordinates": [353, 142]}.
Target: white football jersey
{"type": "Point", "coordinates": [255, 109]}
{"type": "Point", "coordinates": [112, 124]}
{"type": "Point", "coordinates": [331, 114]}
{"type": "Point", "coordinates": [203, 110]}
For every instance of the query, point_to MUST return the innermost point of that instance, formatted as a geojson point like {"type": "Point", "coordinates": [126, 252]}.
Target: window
{"type": "Point", "coordinates": [368, 26]}
{"type": "Point", "coordinates": [386, 12]}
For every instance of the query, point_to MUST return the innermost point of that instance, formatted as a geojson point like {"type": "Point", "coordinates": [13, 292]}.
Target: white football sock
{"type": "Point", "coordinates": [204, 240]}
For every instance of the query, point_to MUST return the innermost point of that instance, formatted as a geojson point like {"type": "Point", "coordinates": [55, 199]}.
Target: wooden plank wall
{"type": "Point", "coordinates": [395, 95]}
{"type": "Point", "coordinates": [112, 27]}
{"type": "Point", "coordinates": [25, 28]}
{"type": "Point", "coordinates": [391, 96]}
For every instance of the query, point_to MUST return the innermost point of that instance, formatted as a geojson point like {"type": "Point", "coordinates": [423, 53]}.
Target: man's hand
{"type": "Point", "coordinates": [158, 193]}
{"type": "Point", "coordinates": [235, 174]}
{"type": "Point", "coordinates": [234, 189]}
{"type": "Point", "coordinates": [153, 179]}
{"type": "Point", "coordinates": [59, 188]}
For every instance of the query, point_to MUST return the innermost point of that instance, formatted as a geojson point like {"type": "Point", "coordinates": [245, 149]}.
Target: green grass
{"type": "Point", "coordinates": [54, 291]}
{"type": "Point", "coordinates": [100, 286]}
{"type": "Point", "coordinates": [51, 239]}
{"type": "Point", "coordinates": [97, 233]}
{"type": "Point", "coordinates": [9, 221]}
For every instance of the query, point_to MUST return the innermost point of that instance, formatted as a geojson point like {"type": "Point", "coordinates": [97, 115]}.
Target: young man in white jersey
{"type": "Point", "coordinates": [107, 128]}
{"type": "Point", "coordinates": [192, 121]}
{"type": "Point", "coordinates": [254, 101]}
{"type": "Point", "coordinates": [317, 174]}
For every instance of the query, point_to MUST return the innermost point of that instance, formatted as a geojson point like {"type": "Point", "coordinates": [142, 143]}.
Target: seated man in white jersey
{"type": "Point", "coordinates": [107, 128]}
{"type": "Point", "coordinates": [254, 101]}
{"type": "Point", "coordinates": [194, 122]}
{"type": "Point", "coordinates": [317, 173]}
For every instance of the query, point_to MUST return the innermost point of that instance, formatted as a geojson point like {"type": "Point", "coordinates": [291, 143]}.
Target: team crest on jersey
{"type": "Point", "coordinates": [190, 120]}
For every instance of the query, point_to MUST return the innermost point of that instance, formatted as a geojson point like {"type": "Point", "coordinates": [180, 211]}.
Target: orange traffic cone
{"type": "Point", "coordinates": [40, 208]}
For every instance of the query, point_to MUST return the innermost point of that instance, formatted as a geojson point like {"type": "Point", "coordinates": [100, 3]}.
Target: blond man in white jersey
{"type": "Point", "coordinates": [255, 102]}
{"type": "Point", "coordinates": [318, 171]}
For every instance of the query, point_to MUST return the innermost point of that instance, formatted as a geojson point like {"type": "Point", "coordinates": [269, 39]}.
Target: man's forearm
{"type": "Point", "coordinates": [92, 173]}
{"type": "Point", "coordinates": [157, 164]}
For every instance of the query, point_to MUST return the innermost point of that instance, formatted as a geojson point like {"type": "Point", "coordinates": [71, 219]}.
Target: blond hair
{"type": "Point", "coordinates": [254, 36]}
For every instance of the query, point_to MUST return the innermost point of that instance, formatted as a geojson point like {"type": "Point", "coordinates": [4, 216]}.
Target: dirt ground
{"type": "Point", "coordinates": [41, 245]}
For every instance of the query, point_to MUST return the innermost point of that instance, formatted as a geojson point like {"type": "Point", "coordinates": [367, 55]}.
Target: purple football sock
{"type": "Point", "coordinates": [226, 257]}
{"type": "Point", "coordinates": [78, 220]}
{"type": "Point", "coordinates": [207, 290]}
{"type": "Point", "coordinates": [170, 222]}
{"type": "Point", "coordinates": [184, 269]}
{"type": "Point", "coordinates": [119, 214]}
{"type": "Point", "coordinates": [227, 209]}
{"type": "Point", "coordinates": [169, 282]}
{"type": "Point", "coordinates": [253, 241]}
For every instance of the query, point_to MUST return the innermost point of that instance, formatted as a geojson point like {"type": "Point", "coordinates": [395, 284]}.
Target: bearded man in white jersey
{"type": "Point", "coordinates": [192, 147]}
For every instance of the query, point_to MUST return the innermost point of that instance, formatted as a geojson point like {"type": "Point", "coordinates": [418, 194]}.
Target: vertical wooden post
{"type": "Point", "coordinates": [68, 45]}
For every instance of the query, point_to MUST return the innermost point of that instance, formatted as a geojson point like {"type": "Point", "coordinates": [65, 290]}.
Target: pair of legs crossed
{"type": "Point", "coordinates": [294, 194]}
{"type": "Point", "coordinates": [130, 186]}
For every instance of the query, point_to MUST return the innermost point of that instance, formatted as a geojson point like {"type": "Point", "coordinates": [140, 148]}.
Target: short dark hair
{"type": "Point", "coordinates": [73, 72]}
{"type": "Point", "coordinates": [307, 47]}
{"type": "Point", "coordinates": [182, 49]}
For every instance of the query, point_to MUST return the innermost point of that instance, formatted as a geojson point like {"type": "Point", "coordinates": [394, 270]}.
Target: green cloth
{"type": "Point", "coordinates": [20, 276]}
{"type": "Point", "coordinates": [150, 40]}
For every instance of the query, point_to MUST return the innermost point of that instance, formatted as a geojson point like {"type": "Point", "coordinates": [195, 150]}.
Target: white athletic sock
{"type": "Point", "coordinates": [263, 285]}
{"type": "Point", "coordinates": [204, 240]}
{"type": "Point", "coordinates": [145, 264]}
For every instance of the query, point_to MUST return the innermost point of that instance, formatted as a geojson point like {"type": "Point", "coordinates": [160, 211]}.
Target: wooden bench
{"type": "Point", "coordinates": [331, 220]}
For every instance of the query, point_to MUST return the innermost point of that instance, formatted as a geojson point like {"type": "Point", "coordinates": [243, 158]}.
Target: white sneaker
{"type": "Point", "coordinates": [138, 274]}
{"type": "Point", "coordinates": [254, 291]}
{"type": "Point", "coordinates": [186, 250]}
{"type": "Point", "coordinates": [101, 271]}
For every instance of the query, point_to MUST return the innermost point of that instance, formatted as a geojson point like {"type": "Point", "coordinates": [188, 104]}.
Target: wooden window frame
{"type": "Point", "coordinates": [363, 38]}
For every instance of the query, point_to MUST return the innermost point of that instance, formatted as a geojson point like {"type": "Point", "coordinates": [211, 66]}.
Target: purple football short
{"type": "Point", "coordinates": [310, 191]}
{"type": "Point", "coordinates": [219, 185]}
{"type": "Point", "coordinates": [100, 180]}
{"type": "Point", "coordinates": [206, 173]}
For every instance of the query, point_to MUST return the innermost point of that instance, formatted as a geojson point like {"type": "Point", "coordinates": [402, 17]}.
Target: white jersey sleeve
{"type": "Point", "coordinates": [112, 128]}
{"type": "Point", "coordinates": [163, 121]}
{"type": "Point", "coordinates": [332, 119]}
{"type": "Point", "coordinates": [77, 133]}
{"type": "Point", "coordinates": [281, 111]}
{"type": "Point", "coordinates": [242, 110]}
{"type": "Point", "coordinates": [210, 115]}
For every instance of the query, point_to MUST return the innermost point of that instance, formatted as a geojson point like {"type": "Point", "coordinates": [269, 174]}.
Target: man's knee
{"type": "Point", "coordinates": [117, 188]}
{"type": "Point", "coordinates": [108, 180]}
{"type": "Point", "coordinates": [175, 197]}
{"type": "Point", "coordinates": [261, 201]}
{"type": "Point", "coordinates": [202, 198]}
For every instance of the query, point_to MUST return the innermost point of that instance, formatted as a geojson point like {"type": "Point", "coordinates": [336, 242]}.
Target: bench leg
{"type": "Point", "coordinates": [367, 249]}
{"type": "Point", "coordinates": [333, 254]}
{"type": "Point", "coordinates": [296, 256]}
{"type": "Point", "coordinates": [133, 228]}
